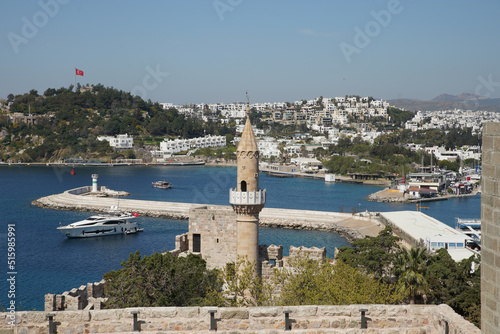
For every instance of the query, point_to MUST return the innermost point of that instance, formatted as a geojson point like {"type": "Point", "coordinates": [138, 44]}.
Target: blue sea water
{"type": "Point", "coordinates": [48, 262]}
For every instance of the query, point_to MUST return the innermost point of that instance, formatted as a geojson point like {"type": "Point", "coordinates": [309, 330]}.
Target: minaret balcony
{"type": "Point", "coordinates": [247, 197]}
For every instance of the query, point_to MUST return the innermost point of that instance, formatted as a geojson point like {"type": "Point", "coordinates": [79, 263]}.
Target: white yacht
{"type": "Point", "coordinates": [102, 224]}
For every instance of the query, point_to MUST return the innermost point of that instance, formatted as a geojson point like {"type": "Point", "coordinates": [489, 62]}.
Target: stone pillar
{"type": "Point", "coordinates": [490, 220]}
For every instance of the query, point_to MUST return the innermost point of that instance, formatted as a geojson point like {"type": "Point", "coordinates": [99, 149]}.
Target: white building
{"type": "Point", "coordinates": [118, 141]}
{"type": "Point", "coordinates": [169, 147]}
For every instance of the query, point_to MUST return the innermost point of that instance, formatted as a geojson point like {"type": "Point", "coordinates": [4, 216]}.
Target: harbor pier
{"type": "Point", "coordinates": [348, 225]}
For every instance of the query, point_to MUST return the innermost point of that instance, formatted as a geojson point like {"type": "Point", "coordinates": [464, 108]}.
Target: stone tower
{"type": "Point", "coordinates": [490, 220]}
{"type": "Point", "coordinates": [247, 199]}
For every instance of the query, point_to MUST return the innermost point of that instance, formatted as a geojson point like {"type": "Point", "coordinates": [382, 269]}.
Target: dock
{"type": "Point", "coordinates": [421, 230]}
{"type": "Point", "coordinates": [348, 225]}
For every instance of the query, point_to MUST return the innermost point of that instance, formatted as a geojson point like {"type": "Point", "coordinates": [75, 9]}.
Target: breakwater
{"type": "Point", "coordinates": [348, 225]}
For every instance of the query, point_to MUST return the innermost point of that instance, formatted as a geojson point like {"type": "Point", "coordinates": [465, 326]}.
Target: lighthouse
{"type": "Point", "coordinates": [247, 199]}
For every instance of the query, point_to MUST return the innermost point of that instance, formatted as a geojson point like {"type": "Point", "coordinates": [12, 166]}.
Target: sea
{"type": "Point", "coordinates": [45, 261]}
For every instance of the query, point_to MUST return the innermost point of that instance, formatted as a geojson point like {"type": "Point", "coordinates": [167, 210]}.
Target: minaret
{"type": "Point", "coordinates": [247, 199]}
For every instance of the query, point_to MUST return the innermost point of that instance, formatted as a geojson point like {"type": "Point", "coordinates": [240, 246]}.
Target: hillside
{"type": "Point", "coordinates": [68, 123]}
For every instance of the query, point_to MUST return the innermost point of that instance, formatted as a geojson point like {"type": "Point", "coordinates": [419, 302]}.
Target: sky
{"type": "Point", "coordinates": [281, 50]}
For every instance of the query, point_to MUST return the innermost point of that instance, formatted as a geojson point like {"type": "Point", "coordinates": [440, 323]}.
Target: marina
{"type": "Point", "coordinates": [54, 263]}
{"type": "Point", "coordinates": [351, 226]}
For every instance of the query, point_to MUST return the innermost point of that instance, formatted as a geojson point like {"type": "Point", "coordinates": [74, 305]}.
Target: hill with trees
{"type": "Point", "coordinates": [69, 122]}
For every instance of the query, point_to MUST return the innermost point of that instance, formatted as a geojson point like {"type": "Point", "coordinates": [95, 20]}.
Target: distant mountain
{"type": "Point", "coordinates": [464, 101]}
{"type": "Point", "coordinates": [445, 97]}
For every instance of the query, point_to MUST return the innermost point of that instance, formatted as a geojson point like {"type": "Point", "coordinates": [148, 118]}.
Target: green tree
{"type": "Point", "coordinates": [160, 280]}
{"type": "Point", "coordinates": [310, 282]}
{"type": "Point", "coordinates": [409, 269]}
{"type": "Point", "coordinates": [373, 255]}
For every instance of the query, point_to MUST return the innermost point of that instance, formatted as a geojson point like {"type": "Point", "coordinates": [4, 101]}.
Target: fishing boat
{"type": "Point", "coordinates": [162, 185]}
{"type": "Point", "coordinates": [101, 225]}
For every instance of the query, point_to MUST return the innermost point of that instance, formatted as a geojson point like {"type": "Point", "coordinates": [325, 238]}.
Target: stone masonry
{"type": "Point", "coordinates": [381, 319]}
{"type": "Point", "coordinates": [217, 230]}
{"type": "Point", "coordinates": [490, 220]}
{"type": "Point", "coordinates": [89, 297]}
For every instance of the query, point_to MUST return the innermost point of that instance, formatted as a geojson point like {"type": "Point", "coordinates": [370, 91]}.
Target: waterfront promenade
{"type": "Point", "coordinates": [350, 226]}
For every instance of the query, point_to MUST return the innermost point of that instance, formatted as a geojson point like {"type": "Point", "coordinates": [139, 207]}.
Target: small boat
{"type": "Point", "coordinates": [162, 185]}
{"type": "Point", "coordinates": [101, 225]}
{"type": "Point", "coordinates": [134, 230]}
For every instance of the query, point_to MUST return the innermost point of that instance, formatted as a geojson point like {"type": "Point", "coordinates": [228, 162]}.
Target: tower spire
{"type": "Point", "coordinates": [247, 199]}
{"type": "Point", "coordinates": [248, 105]}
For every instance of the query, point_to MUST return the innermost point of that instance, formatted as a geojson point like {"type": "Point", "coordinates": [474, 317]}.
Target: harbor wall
{"type": "Point", "coordinates": [351, 226]}
{"type": "Point", "coordinates": [490, 220]}
{"type": "Point", "coordinates": [407, 319]}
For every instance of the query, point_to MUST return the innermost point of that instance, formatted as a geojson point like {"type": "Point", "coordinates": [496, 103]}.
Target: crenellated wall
{"type": "Point", "coordinates": [409, 319]}
{"type": "Point", "coordinates": [90, 297]}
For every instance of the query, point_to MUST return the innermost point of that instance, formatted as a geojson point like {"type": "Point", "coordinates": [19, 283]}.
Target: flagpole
{"type": "Point", "coordinates": [75, 79]}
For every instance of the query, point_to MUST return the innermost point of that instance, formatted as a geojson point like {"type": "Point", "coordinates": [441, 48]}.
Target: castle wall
{"type": "Point", "coordinates": [218, 231]}
{"type": "Point", "coordinates": [407, 319]}
{"type": "Point", "coordinates": [490, 220]}
{"type": "Point", "coordinates": [86, 297]}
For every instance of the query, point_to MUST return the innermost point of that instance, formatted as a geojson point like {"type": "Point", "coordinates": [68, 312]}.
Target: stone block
{"type": "Point", "coordinates": [159, 312]}
{"type": "Point", "coordinates": [257, 312]}
{"type": "Point", "coordinates": [491, 303]}
{"type": "Point", "coordinates": [36, 317]}
{"type": "Point", "coordinates": [332, 311]}
{"type": "Point", "coordinates": [393, 310]}
{"type": "Point", "coordinates": [234, 313]}
{"type": "Point", "coordinates": [488, 143]}
{"type": "Point", "coordinates": [72, 316]}
{"type": "Point", "coordinates": [188, 312]}
{"type": "Point", "coordinates": [486, 157]}
{"type": "Point", "coordinates": [102, 315]}
{"type": "Point", "coordinates": [7, 330]}
{"type": "Point", "coordinates": [50, 302]}
{"type": "Point", "coordinates": [302, 311]}
{"type": "Point", "coordinates": [491, 129]}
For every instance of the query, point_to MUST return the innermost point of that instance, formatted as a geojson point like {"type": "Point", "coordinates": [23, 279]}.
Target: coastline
{"type": "Point", "coordinates": [318, 176]}
{"type": "Point", "coordinates": [388, 196]}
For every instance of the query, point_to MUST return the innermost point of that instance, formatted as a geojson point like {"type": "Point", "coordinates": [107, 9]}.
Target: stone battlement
{"type": "Point", "coordinates": [90, 297]}
{"type": "Point", "coordinates": [420, 319]}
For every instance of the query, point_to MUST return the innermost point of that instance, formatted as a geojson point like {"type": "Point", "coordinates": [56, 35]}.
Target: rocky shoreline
{"type": "Point", "coordinates": [388, 196]}
{"type": "Point", "coordinates": [348, 233]}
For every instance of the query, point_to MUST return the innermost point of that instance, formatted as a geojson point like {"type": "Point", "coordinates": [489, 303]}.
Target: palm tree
{"type": "Point", "coordinates": [409, 269]}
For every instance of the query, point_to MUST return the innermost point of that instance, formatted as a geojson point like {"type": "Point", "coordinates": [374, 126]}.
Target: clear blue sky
{"type": "Point", "coordinates": [279, 50]}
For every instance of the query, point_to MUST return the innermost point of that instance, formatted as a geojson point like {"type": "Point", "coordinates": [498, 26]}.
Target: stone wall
{"type": "Point", "coordinates": [181, 244]}
{"type": "Point", "coordinates": [313, 253]}
{"type": "Point", "coordinates": [217, 228]}
{"type": "Point", "coordinates": [90, 297]}
{"type": "Point", "coordinates": [421, 319]}
{"type": "Point", "coordinates": [490, 219]}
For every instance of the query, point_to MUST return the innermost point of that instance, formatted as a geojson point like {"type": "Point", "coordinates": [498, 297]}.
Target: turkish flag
{"type": "Point", "coordinates": [135, 214]}
{"type": "Point", "coordinates": [78, 72]}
